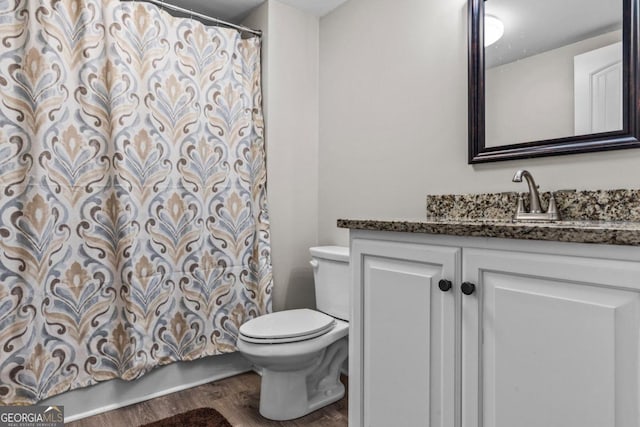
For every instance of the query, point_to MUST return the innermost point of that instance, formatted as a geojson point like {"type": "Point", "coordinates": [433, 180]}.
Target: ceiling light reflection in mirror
{"type": "Point", "coordinates": [493, 29]}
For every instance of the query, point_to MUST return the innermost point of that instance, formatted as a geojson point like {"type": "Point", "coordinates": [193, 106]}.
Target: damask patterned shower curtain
{"type": "Point", "coordinates": [133, 224]}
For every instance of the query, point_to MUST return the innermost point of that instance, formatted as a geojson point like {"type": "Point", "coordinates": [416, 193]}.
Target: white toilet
{"type": "Point", "coordinates": [300, 352]}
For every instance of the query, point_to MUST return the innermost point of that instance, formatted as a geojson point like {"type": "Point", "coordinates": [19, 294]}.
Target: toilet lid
{"type": "Point", "coordinates": [287, 326]}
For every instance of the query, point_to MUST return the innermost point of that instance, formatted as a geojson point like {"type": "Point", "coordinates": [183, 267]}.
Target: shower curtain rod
{"type": "Point", "coordinates": [202, 16]}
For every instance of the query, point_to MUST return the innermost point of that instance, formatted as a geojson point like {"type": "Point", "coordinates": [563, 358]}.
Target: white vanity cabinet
{"type": "Point", "coordinates": [404, 345]}
{"type": "Point", "coordinates": [549, 337]}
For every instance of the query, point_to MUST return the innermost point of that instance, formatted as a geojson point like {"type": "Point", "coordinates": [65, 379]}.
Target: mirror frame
{"type": "Point", "coordinates": [628, 137]}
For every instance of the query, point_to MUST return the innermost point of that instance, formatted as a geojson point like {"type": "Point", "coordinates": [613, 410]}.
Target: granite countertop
{"type": "Point", "coordinates": [603, 232]}
{"type": "Point", "coordinates": [601, 216]}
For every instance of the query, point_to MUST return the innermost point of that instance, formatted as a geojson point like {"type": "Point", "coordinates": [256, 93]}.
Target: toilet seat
{"type": "Point", "coordinates": [286, 327]}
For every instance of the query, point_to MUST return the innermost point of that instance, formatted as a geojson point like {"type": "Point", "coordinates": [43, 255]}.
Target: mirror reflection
{"type": "Point", "coordinates": [555, 71]}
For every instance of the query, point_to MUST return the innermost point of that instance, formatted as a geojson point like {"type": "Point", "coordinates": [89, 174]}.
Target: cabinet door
{"type": "Point", "coordinates": [550, 341]}
{"type": "Point", "coordinates": [404, 333]}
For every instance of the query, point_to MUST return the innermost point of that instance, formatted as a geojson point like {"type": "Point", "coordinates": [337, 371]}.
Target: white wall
{"type": "Point", "coordinates": [393, 118]}
{"type": "Point", "coordinates": [533, 98]}
{"type": "Point", "coordinates": [290, 87]}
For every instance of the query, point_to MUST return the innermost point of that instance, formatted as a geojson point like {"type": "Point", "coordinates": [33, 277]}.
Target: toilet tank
{"type": "Point", "coordinates": [332, 278]}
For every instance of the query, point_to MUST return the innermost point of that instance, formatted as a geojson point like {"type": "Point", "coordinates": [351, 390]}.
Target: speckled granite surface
{"type": "Point", "coordinates": [603, 232]}
{"type": "Point", "coordinates": [603, 216]}
{"type": "Point", "coordinates": [599, 205]}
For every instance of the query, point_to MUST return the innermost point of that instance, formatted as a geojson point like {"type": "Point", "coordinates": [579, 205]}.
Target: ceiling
{"type": "Point", "coordinates": [532, 27]}
{"type": "Point", "coordinates": [236, 10]}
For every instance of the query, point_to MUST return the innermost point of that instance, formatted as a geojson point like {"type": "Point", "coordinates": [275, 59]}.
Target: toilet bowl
{"type": "Point", "coordinates": [300, 352]}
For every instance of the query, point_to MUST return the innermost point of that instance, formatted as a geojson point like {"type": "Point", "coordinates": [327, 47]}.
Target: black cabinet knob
{"type": "Point", "coordinates": [468, 288]}
{"type": "Point", "coordinates": [444, 285]}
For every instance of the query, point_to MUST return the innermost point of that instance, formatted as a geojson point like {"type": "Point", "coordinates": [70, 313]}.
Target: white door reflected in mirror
{"type": "Point", "coordinates": [598, 90]}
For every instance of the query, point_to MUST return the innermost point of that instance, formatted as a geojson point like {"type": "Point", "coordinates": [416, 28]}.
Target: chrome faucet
{"type": "Point", "coordinates": [534, 196]}
{"type": "Point", "coordinates": [535, 210]}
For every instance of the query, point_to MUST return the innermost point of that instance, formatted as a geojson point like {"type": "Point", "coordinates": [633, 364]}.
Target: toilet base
{"type": "Point", "coordinates": [285, 395]}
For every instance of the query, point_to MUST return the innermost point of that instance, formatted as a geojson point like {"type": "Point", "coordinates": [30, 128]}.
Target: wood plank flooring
{"type": "Point", "coordinates": [237, 398]}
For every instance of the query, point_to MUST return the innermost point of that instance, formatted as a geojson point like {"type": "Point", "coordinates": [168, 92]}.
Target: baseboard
{"type": "Point", "coordinates": [344, 369]}
{"type": "Point", "coordinates": [115, 394]}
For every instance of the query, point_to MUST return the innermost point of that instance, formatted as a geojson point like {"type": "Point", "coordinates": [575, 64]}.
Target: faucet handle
{"type": "Point", "coordinates": [520, 206]}
{"type": "Point", "coordinates": [552, 209]}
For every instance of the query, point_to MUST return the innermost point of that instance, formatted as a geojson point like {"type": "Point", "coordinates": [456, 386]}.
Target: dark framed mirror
{"type": "Point", "coordinates": [563, 78]}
